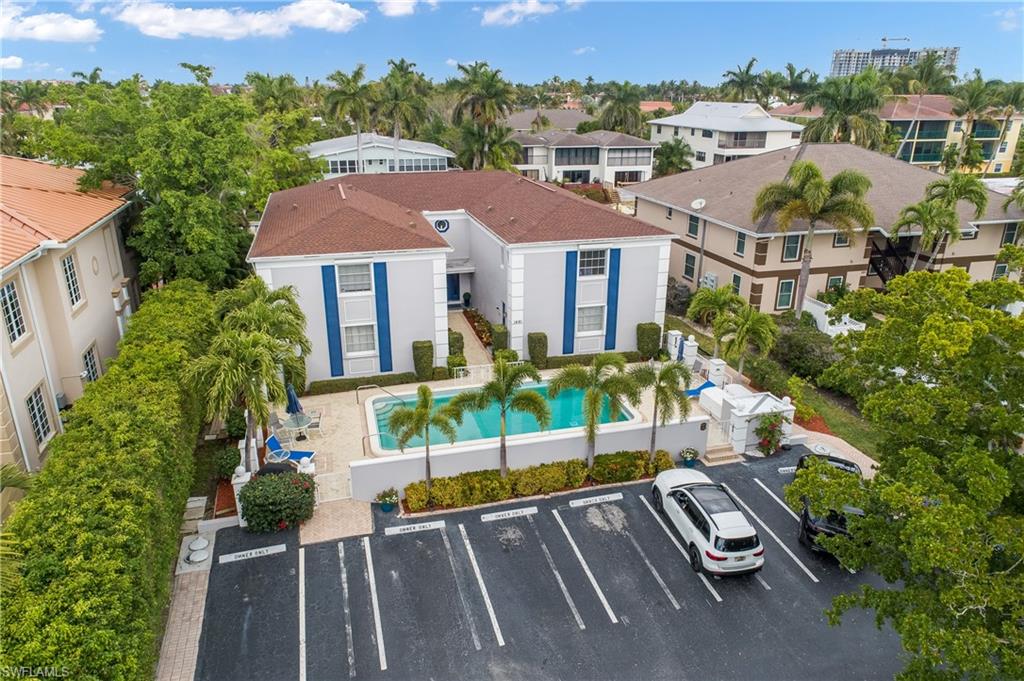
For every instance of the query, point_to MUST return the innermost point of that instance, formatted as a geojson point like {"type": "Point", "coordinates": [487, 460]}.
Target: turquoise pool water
{"type": "Point", "coordinates": [566, 412]}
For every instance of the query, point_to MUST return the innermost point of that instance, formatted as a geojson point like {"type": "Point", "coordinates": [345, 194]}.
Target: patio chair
{"type": "Point", "coordinates": [284, 437]}
{"type": "Point", "coordinates": [277, 453]}
{"type": "Point", "coordinates": [275, 421]}
{"type": "Point", "coordinates": [314, 425]}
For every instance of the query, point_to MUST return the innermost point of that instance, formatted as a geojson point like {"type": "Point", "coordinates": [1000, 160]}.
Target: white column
{"type": "Point", "coordinates": [689, 351]}
{"type": "Point", "coordinates": [238, 481]}
{"type": "Point", "coordinates": [716, 372]}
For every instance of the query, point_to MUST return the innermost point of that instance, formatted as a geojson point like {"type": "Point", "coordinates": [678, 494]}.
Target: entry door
{"type": "Point", "coordinates": [453, 288]}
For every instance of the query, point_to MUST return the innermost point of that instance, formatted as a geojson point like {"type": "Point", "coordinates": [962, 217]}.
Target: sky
{"type": "Point", "coordinates": [529, 40]}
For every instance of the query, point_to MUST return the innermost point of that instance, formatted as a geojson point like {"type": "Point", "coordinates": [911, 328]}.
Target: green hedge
{"type": "Point", "coordinates": [455, 361]}
{"type": "Point", "coordinates": [507, 355]}
{"type": "Point", "coordinates": [341, 385]}
{"type": "Point", "coordinates": [500, 337]}
{"type": "Point", "coordinates": [456, 343]}
{"type": "Point", "coordinates": [586, 360]}
{"type": "Point", "coordinates": [271, 503]}
{"type": "Point", "coordinates": [484, 487]}
{"type": "Point", "coordinates": [226, 461]}
{"type": "Point", "coordinates": [99, 528]}
{"type": "Point", "coordinates": [537, 345]}
{"type": "Point", "coordinates": [441, 374]}
{"type": "Point", "coordinates": [648, 339]}
{"type": "Point", "coordinates": [423, 359]}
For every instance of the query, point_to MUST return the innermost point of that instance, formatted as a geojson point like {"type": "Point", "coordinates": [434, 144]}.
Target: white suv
{"type": "Point", "coordinates": [718, 536]}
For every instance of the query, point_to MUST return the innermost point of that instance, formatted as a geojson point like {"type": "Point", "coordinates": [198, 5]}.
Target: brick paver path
{"type": "Point", "coordinates": [184, 625]}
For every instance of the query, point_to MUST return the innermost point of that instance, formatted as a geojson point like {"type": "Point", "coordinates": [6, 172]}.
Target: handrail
{"type": "Point", "coordinates": [362, 443]}
{"type": "Point", "coordinates": [378, 387]}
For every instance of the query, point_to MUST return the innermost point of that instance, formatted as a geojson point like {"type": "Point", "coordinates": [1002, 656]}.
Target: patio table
{"type": "Point", "coordinates": [297, 423]}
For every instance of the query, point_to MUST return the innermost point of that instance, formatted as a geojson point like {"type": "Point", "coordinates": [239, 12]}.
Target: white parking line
{"type": "Point", "coordinates": [458, 587]}
{"type": "Point", "coordinates": [679, 546]}
{"type": "Point", "coordinates": [586, 568]}
{"type": "Point", "coordinates": [772, 535]}
{"type": "Point", "coordinates": [483, 587]}
{"type": "Point", "coordinates": [350, 645]}
{"type": "Point", "coordinates": [779, 501]}
{"type": "Point", "coordinates": [763, 583]}
{"type": "Point", "coordinates": [661, 582]}
{"type": "Point", "coordinates": [302, 614]}
{"type": "Point", "coordinates": [558, 575]}
{"type": "Point", "coordinates": [376, 605]}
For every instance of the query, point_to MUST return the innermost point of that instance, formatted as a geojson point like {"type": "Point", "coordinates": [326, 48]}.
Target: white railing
{"type": "Point", "coordinates": [819, 311]}
{"type": "Point", "coordinates": [478, 373]}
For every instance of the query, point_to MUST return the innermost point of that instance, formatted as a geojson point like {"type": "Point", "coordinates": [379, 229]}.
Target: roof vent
{"type": "Point", "coordinates": [512, 219]}
{"type": "Point", "coordinates": [411, 223]}
{"type": "Point", "coordinates": [294, 206]}
{"type": "Point", "coordinates": [408, 211]}
{"type": "Point", "coordinates": [490, 208]}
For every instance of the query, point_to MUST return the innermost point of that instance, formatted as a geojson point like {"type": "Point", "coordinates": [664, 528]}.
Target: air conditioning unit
{"type": "Point", "coordinates": [709, 280]}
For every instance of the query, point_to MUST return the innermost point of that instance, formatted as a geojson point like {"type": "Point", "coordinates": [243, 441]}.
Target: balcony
{"type": "Point", "coordinates": [986, 133]}
{"type": "Point", "coordinates": [931, 134]}
{"type": "Point", "coordinates": [931, 157]}
{"type": "Point", "coordinates": [748, 141]}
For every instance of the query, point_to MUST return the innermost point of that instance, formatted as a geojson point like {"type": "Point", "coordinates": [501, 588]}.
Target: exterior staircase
{"type": "Point", "coordinates": [613, 196]}
{"type": "Point", "coordinates": [719, 455]}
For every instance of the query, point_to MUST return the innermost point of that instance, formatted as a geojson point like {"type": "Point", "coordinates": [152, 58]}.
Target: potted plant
{"type": "Point", "coordinates": [769, 432]}
{"type": "Point", "coordinates": [466, 297]}
{"type": "Point", "coordinates": [388, 499]}
{"type": "Point", "coordinates": [689, 457]}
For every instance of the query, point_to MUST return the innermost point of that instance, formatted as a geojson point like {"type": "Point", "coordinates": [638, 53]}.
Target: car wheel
{"type": "Point", "coordinates": [656, 496]}
{"type": "Point", "coordinates": [695, 561]}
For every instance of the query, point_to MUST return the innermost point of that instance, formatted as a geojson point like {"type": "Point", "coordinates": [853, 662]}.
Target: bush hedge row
{"type": "Point", "coordinates": [456, 343]}
{"type": "Point", "coordinates": [500, 337]}
{"type": "Point", "coordinates": [537, 345]}
{"type": "Point", "coordinates": [99, 528]}
{"type": "Point", "coordinates": [485, 487]}
{"type": "Point", "coordinates": [341, 385]}
{"type": "Point", "coordinates": [423, 359]}
{"type": "Point", "coordinates": [648, 339]}
{"type": "Point", "coordinates": [586, 360]}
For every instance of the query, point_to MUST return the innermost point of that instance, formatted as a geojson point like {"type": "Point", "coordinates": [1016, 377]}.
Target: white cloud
{"type": "Point", "coordinates": [38, 65]}
{"type": "Point", "coordinates": [11, 62]}
{"type": "Point", "coordinates": [451, 62]}
{"type": "Point", "coordinates": [84, 6]}
{"type": "Point", "coordinates": [512, 13]}
{"type": "Point", "coordinates": [584, 50]}
{"type": "Point", "coordinates": [574, 4]}
{"type": "Point", "coordinates": [1009, 19]}
{"type": "Point", "coordinates": [396, 8]}
{"type": "Point", "coordinates": [433, 4]}
{"type": "Point", "coordinates": [50, 26]}
{"type": "Point", "coordinates": [171, 21]}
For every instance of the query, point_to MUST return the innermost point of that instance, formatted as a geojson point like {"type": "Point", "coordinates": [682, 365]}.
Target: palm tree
{"type": "Point", "coordinates": [353, 99]}
{"type": "Point", "coordinates": [277, 94]}
{"type": "Point", "coordinates": [481, 148]}
{"type": "Point", "coordinates": [928, 76]}
{"type": "Point", "coordinates": [849, 111]}
{"type": "Point", "coordinates": [200, 72]}
{"type": "Point", "coordinates": [1011, 98]}
{"type": "Point", "coordinates": [671, 157]}
{"type": "Point", "coordinates": [243, 369]}
{"type": "Point", "coordinates": [935, 220]}
{"type": "Point", "coordinates": [405, 423]}
{"type": "Point", "coordinates": [621, 109]}
{"type": "Point", "coordinates": [484, 98]}
{"type": "Point", "coordinates": [973, 102]}
{"type": "Point", "coordinates": [741, 81]}
{"type": "Point", "coordinates": [603, 383]}
{"type": "Point", "coordinates": [12, 476]}
{"type": "Point", "coordinates": [1016, 197]}
{"type": "Point", "coordinates": [796, 85]}
{"type": "Point", "coordinates": [32, 94]}
{"type": "Point", "coordinates": [400, 102]}
{"type": "Point", "coordinates": [743, 328]}
{"type": "Point", "coordinates": [708, 304]}
{"type": "Point", "coordinates": [805, 194]}
{"type": "Point", "coordinates": [92, 78]}
{"type": "Point", "coordinates": [769, 84]}
{"type": "Point", "coordinates": [957, 187]}
{"type": "Point", "coordinates": [669, 383]}
{"type": "Point", "coordinates": [505, 391]}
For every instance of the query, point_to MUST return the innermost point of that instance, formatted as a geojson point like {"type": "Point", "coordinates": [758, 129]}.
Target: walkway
{"type": "Point", "coordinates": [475, 351]}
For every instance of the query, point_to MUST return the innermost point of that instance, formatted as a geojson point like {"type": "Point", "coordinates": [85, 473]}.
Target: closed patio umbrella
{"type": "Point", "coordinates": [293, 406]}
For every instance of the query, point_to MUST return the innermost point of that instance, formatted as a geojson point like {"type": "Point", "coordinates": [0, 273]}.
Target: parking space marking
{"type": "Point", "coordinates": [376, 604]}
{"type": "Point", "coordinates": [657, 577]}
{"type": "Point", "coordinates": [504, 515]}
{"type": "Point", "coordinates": [458, 587]}
{"type": "Point", "coordinates": [778, 500]}
{"type": "Point", "coordinates": [483, 587]}
{"type": "Point", "coordinates": [418, 527]}
{"type": "Point", "coordinates": [761, 580]}
{"type": "Point", "coordinates": [574, 503]}
{"type": "Point", "coordinates": [252, 553]}
{"type": "Point", "coordinates": [679, 546]}
{"type": "Point", "coordinates": [558, 575]}
{"type": "Point", "coordinates": [348, 612]}
{"type": "Point", "coordinates": [773, 535]}
{"type": "Point", "coordinates": [302, 614]}
{"type": "Point", "coordinates": [586, 568]}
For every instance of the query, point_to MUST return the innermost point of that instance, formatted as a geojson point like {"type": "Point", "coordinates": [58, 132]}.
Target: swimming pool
{"type": "Point", "coordinates": [566, 412]}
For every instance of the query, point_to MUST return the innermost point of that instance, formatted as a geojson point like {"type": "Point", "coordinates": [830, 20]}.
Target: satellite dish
{"type": "Point", "coordinates": [698, 204]}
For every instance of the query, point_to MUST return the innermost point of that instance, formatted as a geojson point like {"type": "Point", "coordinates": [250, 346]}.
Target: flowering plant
{"type": "Point", "coordinates": [769, 432]}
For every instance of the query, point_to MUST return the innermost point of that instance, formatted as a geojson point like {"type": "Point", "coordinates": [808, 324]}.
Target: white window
{"type": "Point", "coordinates": [701, 156]}
{"type": "Point", "coordinates": [784, 300]}
{"type": "Point", "coordinates": [658, 128]}
{"type": "Point", "coordinates": [360, 339]}
{"type": "Point", "coordinates": [13, 319]}
{"type": "Point", "coordinates": [689, 266]}
{"type": "Point", "coordinates": [91, 364]}
{"type": "Point", "coordinates": [737, 282]}
{"type": "Point", "coordinates": [741, 243]}
{"type": "Point", "coordinates": [958, 126]}
{"type": "Point", "coordinates": [1002, 147]}
{"type": "Point", "coordinates": [668, 213]}
{"type": "Point", "coordinates": [999, 167]}
{"type": "Point", "coordinates": [343, 167]}
{"type": "Point", "coordinates": [1002, 269]}
{"type": "Point", "coordinates": [41, 427]}
{"type": "Point", "coordinates": [840, 240]}
{"type": "Point", "coordinates": [1009, 233]}
{"type": "Point", "coordinates": [354, 278]}
{"type": "Point", "coordinates": [834, 283]}
{"type": "Point", "coordinates": [67, 264]}
{"type": "Point", "coordinates": [590, 319]}
{"type": "Point", "coordinates": [693, 226]}
{"type": "Point", "coordinates": [791, 247]}
{"type": "Point", "coordinates": [592, 263]}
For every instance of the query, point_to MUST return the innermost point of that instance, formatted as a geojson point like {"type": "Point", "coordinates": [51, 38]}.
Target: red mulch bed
{"type": "Point", "coordinates": [224, 502]}
{"type": "Point", "coordinates": [816, 423]}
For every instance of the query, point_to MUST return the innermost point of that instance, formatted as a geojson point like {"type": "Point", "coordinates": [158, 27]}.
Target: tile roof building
{"type": "Point", "coordinates": [600, 156]}
{"type": "Point", "coordinates": [343, 155]}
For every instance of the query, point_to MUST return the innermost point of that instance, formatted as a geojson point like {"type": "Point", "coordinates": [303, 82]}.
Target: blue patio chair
{"type": "Point", "coordinates": [278, 454]}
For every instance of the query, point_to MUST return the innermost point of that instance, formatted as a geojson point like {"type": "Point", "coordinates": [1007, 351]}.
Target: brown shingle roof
{"type": "Point", "coordinates": [376, 211]}
{"type": "Point", "coordinates": [933, 108]}
{"type": "Point", "coordinates": [560, 119]}
{"type": "Point", "coordinates": [41, 202]}
{"type": "Point", "coordinates": [729, 189]}
{"type": "Point", "coordinates": [596, 138]}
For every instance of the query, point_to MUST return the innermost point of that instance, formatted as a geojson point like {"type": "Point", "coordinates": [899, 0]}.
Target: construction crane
{"type": "Point", "coordinates": [885, 41]}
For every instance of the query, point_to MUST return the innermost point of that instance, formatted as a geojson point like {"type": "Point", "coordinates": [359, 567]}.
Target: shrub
{"type": "Point", "coordinates": [575, 473]}
{"type": "Point", "coordinates": [234, 424]}
{"type": "Point", "coordinates": [226, 461]}
{"type": "Point", "coordinates": [441, 374]}
{"type": "Point", "coordinates": [416, 497]}
{"type": "Point", "coordinates": [796, 388]}
{"type": "Point", "coordinates": [543, 479]}
{"type": "Point", "coordinates": [341, 385]}
{"type": "Point", "coordinates": [387, 496]}
{"type": "Point", "coordinates": [423, 359]}
{"type": "Point", "coordinates": [767, 374]}
{"type": "Point", "coordinates": [804, 350]}
{"type": "Point", "coordinates": [507, 355]}
{"type": "Point", "coordinates": [560, 361]}
{"type": "Point", "coordinates": [500, 337]}
{"type": "Point", "coordinates": [481, 327]}
{"type": "Point", "coordinates": [619, 467]}
{"type": "Point", "coordinates": [677, 300]}
{"type": "Point", "coordinates": [276, 502]}
{"type": "Point", "coordinates": [662, 462]}
{"type": "Point", "coordinates": [454, 362]}
{"type": "Point", "coordinates": [456, 343]}
{"type": "Point", "coordinates": [537, 345]}
{"type": "Point", "coordinates": [98, 530]}
{"type": "Point", "coordinates": [648, 339]}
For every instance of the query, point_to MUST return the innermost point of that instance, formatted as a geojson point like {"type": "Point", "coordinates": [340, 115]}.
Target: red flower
{"type": "Point", "coordinates": [282, 524]}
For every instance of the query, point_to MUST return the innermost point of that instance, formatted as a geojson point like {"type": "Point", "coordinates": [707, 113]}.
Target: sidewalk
{"type": "Point", "coordinates": [475, 352]}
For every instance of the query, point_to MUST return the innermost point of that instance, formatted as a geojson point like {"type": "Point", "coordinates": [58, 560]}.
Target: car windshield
{"type": "Point", "coordinates": [737, 543]}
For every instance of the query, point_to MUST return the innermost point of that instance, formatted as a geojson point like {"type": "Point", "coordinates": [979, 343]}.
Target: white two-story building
{"type": "Point", "coordinates": [724, 131]}
{"type": "Point", "coordinates": [378, 155]}
{"type": "Point", "coordinates": [377, 259]}
{"type": "Point", "coordinates": [600, 156]}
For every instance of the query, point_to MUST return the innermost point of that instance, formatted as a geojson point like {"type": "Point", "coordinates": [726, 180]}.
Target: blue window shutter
{"type": "Point", "coordinates": [380, 285]}
{"type": "Point", "coordinates": [569, 318]}
{"type": "Point", "coordinates": [333, 319]}
{"type": "Point", "coordinates": [613, 299]}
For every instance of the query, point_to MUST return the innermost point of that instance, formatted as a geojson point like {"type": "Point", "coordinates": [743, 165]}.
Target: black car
{"type": "Point", "coordinates": [833, 523]}
{"type": "Point", "coordinates": [834, 461]}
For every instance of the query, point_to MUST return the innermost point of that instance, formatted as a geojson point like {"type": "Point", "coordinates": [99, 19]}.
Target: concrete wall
{"type": "Point", "coordinates": [544, 296]}
{"type": "Point", "coordinates": [371, 476]}
{"type": "Point", "coordinates": [490, 280]}
{"type": "Point", "coordinates": [709, 145]}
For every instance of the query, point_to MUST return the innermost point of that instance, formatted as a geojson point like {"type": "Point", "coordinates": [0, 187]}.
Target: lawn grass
{"type": "Point", "coordinates": [842, 419]}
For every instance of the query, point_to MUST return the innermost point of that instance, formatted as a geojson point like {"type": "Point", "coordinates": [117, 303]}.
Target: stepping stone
{"type": "Point", "coordinates": [195, 502]}
{"type": "Point", "coordinates": [195, 512]}
{"type": "Point", "coordinates": [190, 527]}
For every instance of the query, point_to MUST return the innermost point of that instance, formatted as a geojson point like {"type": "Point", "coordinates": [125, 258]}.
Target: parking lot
{"type": "Point", "coordinates": [591, 585]}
